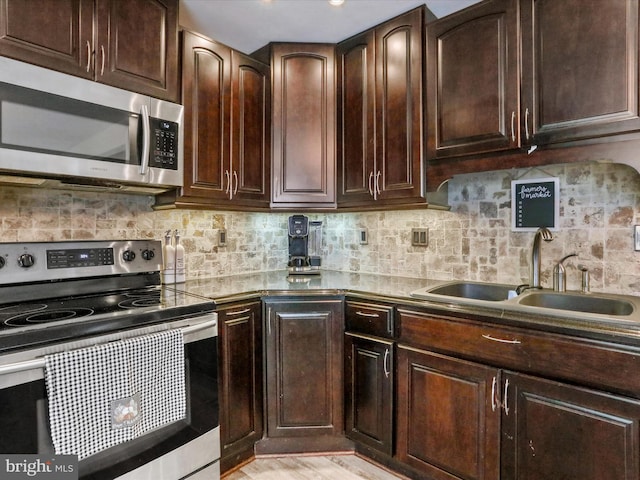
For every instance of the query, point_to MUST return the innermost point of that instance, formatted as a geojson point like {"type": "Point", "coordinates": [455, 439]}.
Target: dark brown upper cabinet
{"type": "Point", "coordinates": [579, 69]}
{"type": "Point", "coordinates": [226, 98]}
{"type": "Point", "coordinates": [304, 125]}
{"type": "Point", "coordinates": [380, 114]}
{"type": "Point", "coordinates": [472, 81]}
{"type": "Point", "coordinates": [130, 45]}
{"type": "Point", "coordinates": [512, 74]}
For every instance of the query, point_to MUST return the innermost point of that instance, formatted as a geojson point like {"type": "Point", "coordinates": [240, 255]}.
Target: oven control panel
{"type": "Point", "coordinates": [79, 257]}
{"type": "Point", "coordinates": [40, 261]}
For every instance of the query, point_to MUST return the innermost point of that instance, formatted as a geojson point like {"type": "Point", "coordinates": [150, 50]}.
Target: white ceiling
{"type": "Point", "coordinates": [247, 25]}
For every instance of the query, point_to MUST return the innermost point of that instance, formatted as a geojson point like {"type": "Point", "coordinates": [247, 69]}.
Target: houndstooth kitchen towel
{"type": "Point", "coordinates": [107, 394]}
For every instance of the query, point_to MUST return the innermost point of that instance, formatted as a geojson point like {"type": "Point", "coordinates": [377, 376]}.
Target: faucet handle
{"type": "Point", "coordinates": [559, 278]}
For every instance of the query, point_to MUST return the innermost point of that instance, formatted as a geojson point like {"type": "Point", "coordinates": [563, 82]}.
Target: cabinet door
{"type": "Point", "coordinates": [240, 379]}
{"type": "Point", "coordinates": [250, 131]}
{"type": "Point", "coordinates": [369, 392]}
{"type": "Point", "coordinates": [579, 69]}
{"type": "Point", "coordinates": [472, 81]}
{"type": "Point", "coordinates": [399, 108]}
{"type": "Point", "coordinates": [356, 114]}
{"type": "Point", "coordinates": [448, 416]}
{"type": "Point", "coordinates": [206, 81]}
{"type": "Point", "coordinates": [304, 138]}
{"type": "Point", "coordinates": [136, 46]}
{"type": "Point", "coordinates": [553, 430]}
{"type": "Point", "coordinates": [52, 34]}
{"type": "Point", "coordinates": [304, 352]}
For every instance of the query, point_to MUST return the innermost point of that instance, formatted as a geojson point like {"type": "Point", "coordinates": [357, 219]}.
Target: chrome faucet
{"type": "Point", "coordinates": [534, 275]}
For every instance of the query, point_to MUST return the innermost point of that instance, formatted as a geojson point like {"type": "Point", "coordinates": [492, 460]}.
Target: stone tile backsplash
{"type": "Point", "coordinates": [599, 205]}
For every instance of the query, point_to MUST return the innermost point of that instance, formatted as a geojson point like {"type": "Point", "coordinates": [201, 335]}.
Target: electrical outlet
{"type": "Point", "coordinates": [222, 237]}
{"type": "Point", "coordinates": [420, 237]}
{"type": "Point", "coordinates": [636, 238]}
{"type": "Point", "coordinates": [364, 236]}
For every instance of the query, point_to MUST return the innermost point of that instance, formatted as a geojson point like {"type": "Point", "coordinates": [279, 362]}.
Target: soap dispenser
{"type": "Point", "coordinates": [180, 270]}
{"type": "Point", "coordinates": [169, 256]}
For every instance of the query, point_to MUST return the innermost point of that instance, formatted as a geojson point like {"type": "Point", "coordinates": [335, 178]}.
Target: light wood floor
{"type": "Point", "coordinates": [325, 467]}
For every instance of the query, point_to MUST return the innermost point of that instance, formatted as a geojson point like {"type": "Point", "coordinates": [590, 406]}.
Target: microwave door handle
{"type": "Point", "coordinates": [144, 118]}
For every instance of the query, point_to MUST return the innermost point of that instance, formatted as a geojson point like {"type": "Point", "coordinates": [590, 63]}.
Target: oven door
{"type": "Point", "coordinates": [171, 452]}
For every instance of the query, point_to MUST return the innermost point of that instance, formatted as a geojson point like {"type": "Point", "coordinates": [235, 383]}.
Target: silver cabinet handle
{"type": "Point", "coordinates": [238, 312]}
{"type": "Point", "coordinates": [227, 191]}
{"type": "Point", "coordinates": [88, 55]}
{"type": "Point", "coordinates": [501, 340]}
{"type": "Point", "coordinates": [513, 128]}
{"type": "Point", "coordinates": [505, 400]}
{"type": "Point", "coordinates": [371, 184]}
{"type": "Point", "coordinates": [526, 123]}
{"type": "Point", "coordinates": [384, 361]}
{"type": "Point", "coordinates": [146, 138]}
{"type": "Point", "coordinates": [378, 192]}
{"type": "Point", "coordinates": [494, 383]}
{"type": "Point", "coordinates": [269, 321]}
{"type": "Point", "coordinates": [366, 314]}
{"type": "Point", "coordinates": [235, 177]}
{"type": "Point", "coordinates": [102, 52]}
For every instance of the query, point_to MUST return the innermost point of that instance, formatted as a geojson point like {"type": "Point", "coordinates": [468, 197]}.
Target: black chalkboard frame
{"type": "Point", "coordinates": [535, 203]}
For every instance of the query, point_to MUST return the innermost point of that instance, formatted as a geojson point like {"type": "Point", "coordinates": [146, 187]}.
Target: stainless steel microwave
{"type": "Point", "coordinates": [80, 132]}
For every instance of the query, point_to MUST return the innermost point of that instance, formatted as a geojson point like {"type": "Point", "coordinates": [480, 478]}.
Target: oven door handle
{"type": "Point", "coordinates": [37, 363]}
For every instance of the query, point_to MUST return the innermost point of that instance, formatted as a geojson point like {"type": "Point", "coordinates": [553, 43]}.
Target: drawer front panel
{"type": "Point", "coordinates": [369, 318]}
{"type": "Point", "coordinates": [582, 361]}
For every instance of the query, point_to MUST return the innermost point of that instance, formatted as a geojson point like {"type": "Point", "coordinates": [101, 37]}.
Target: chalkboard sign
{"type": "Point", "coordinates": [535, 203]}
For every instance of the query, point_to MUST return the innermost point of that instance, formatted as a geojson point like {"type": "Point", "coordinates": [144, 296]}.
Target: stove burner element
{"type": "Point", "coordinates": [139, 299]}
{"type": "Point", "coordinates": [44, 316]}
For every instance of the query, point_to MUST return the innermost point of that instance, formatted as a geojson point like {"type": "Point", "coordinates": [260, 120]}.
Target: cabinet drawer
{"type": "Point", "coordinates": [587, 362]}
{"type": "Point", "coordinates": [372, 318]}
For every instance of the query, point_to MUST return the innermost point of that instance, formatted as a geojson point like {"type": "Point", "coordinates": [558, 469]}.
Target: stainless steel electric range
{"type": "Point", "coordinates": [58, 297]}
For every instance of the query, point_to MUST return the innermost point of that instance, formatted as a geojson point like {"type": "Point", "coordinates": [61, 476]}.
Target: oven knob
{"type": "Point", "coordinates": [26, 260]}
{"type": "Point", "coordinates": [2, 262]}
{"type": "Point", "coordinates": [128, 256]}
{"type": "Point", "coordinates": [148, 254]}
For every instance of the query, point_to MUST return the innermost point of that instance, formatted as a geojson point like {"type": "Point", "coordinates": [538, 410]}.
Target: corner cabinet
{"type": "Point", "coordinates": [303, 372]}
{"type": "Point", "coordinates": [226, 99]}
{"type": "Point", "coordinates": [304, 125]}
{"type": "Point", "coordinates": [240, 381]}
{"type": "Point", "coordinates": [100, 40]}
{"type": "Point", "coordinates": [380, 114]}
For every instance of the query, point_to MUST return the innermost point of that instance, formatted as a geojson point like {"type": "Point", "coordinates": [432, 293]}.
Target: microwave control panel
{"type": "Point", "coordinates": [164, 144]}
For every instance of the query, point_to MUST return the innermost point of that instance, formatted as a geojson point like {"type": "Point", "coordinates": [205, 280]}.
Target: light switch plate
{"type": "Point", "coordinates": [636, 238]}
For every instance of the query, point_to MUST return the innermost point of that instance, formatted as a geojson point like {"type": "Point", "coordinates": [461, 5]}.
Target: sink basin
{"type": "Point", "coordinates": [493, 292]}
{"type": "Point", "coordinates": [578, 303]}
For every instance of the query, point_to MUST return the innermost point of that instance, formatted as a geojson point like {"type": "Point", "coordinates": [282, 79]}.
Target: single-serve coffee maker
{"type": "Point", "coordinates": [305, 244]}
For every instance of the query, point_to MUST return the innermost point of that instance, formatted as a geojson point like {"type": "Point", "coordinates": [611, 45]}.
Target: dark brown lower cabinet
{"type": "Point", "coordinates": [448, 416]}
{"type": "Point", "coordinates": [304, 375]}
{"type": "Point", "coordinates": [463, 420]}
{"type": "Point", "coordinates": [369, 383]}
{"type": "Point", "coordinates": [557, 431]}
{"type": "Point", "coordinates": [240, 381]}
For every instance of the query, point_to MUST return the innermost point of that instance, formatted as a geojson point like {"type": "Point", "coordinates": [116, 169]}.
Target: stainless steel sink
{"type": "Point", "coordinates": [578, 303]}
{"type": "Point", "coordinates": [492, 292]}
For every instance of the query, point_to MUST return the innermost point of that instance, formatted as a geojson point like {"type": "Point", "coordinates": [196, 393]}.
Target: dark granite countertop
{"type": "Point", "coordinates": [395, 289]}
